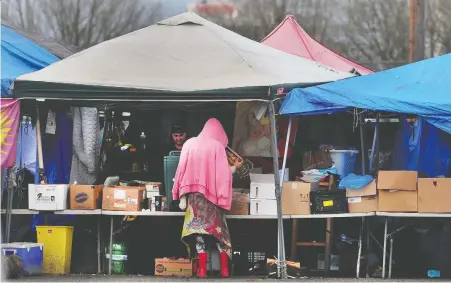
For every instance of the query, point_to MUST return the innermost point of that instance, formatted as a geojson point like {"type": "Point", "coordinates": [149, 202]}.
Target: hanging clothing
{"type": "Point", "coordinates": [86, 153]}
{"type": "Point", "coordinates": [203, 218]}
{"type": "Point", "coordinates": [203, 167]}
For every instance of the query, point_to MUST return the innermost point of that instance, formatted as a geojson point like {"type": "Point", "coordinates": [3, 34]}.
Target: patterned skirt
{"type": "Point", "coordinates": [204, 218]}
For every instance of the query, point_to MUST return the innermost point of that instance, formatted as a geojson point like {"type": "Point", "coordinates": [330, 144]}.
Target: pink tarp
{"type": "Point", "coordinates": [291, 38]}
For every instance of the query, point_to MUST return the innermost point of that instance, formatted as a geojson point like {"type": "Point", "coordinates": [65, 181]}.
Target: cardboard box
{"type": "Point", "coordinates": [397, 180]}
{"type": "Point", "coordinates": [263, 207]}
{"type": "Point", "coordinates": [85, 196]}
{"type": "Point", "coordinates": [263, 185]}
{"type": "Point", "coordinates": [397, 201]}
{"type": "Point", "coordinates": [240, 202]}
{"type": "Point", "coordinates": [397, 191]}
{"type": "Point", "coordinates": [364, 199]}
{"type": "Point", "coordinates": [434, 195]}
{"type": "Point", "coordinates": [47, 197]}
{"type": "Point", "coordinates": [296, 197]}
{"type": "Point", "coordinates": [173, 267]}
{"type": "Point", "coordinates": [123, 198]}
{"type": "Point", "coordinates": [363, 204]}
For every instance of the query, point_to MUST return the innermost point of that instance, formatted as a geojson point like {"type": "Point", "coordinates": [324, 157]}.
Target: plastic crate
{"type": "Point", "coordinates": [57, 241]}
{"type": "Point", "coordinates": [31, 255]}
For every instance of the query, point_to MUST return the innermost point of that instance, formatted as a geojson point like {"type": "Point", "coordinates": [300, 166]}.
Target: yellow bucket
{"type": "Point", "coordinates": [57, 241]}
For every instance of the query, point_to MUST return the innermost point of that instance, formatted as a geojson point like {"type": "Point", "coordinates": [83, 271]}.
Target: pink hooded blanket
{"type": "Point", "coordinates": [203, 167]}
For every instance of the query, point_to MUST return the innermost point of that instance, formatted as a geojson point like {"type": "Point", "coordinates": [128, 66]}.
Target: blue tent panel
{"type": "Point", "coordinates": [20, 56]}
{"type": "Point", "coordinates": [422, 88]}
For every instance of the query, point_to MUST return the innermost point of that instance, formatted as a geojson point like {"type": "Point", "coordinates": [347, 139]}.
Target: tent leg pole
{"type": "Point", "coordinates": [281, 272]}
{"type": "Point", "coordinates": [377, 143]}
{"type": "Point", "coordinates": [42, 178]}
{"type": "Point", "coordinates": [362, 144]}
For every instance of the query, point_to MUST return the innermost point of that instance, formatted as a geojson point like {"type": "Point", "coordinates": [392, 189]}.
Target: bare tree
{"type": "Point", "coordinates": [82, 23]}
{"type": "Point", "coordinates": [438, 27]}
{"type": "Point", "coordinates": [375, 33]}
{"type": "Point", "coordinates": [257, 18]}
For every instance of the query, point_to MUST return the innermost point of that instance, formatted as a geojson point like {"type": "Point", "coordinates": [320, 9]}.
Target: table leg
{"type": "Point", "coordinates": [111, 245]}
{"type": "Point", "coordinates": [359, 253]}
{"type": "Point", "coordinates": [294, 239]}
{"type": "Point", "coordinates": [368, 248]}
{"type": "Point", "coordinates": [391, 258]}
{"type": "Point", "coordinates": [384, 253]}
{"type": "Point", "coordinates": [99, 257]}
{"type": "Point", "coordinates": [329, 231]}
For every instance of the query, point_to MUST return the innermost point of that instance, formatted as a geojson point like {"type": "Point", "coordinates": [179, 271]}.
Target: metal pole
{"type": "Point", "coordinates": [42, 178]}
{"type": "Point", "coordinates": [391, 257]}
{"type": "Point", "coordinates": [384, 253]}
{"type": "Point", "coordinates": [362, 144]}
{"type": "Point", "coordinates": [111, 244]}
{"type": "Point", "coordinates": [9, 190]}
{"type": "Point", "coordinates": [368, 246]}
{"type": "Point", "coordinates": [281, 272]}
{"type": "Point", "coordinates": [359, 253]}
{"type": "Point", "coordinates": [285, 154]}
{"type": "Point", "coordinates": [99, 257]}
{"type": "Point", "coordinates": [378, 147]}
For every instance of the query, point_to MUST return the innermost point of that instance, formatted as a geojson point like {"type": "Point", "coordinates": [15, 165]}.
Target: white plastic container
{"type": "Point", "coordinates": [344, 161]}
{"type": "Point", "coordinates": [47, 197]}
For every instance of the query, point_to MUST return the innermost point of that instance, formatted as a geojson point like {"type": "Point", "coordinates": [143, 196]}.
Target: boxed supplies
{"type": "Point", "coordinates": [329, 201]}
{"type": "Point", "coordinates": [296, 197]}
{"type": "Point", "coordinates": [31, 255]}
{"type": "Point", "coordinates": [123, 198]}
{"type": "Point", "coordinates": [85, 196]}
{"type": "Point", "coordinates": [47, 197]}
{"type": "Point", "coordinates": [240, 202]}
{"type": "Point", "coordinates": [362, 200]}
{"type": "Point", "coordinates": [263, 185]}
{"type": "Point", "coordinates": [263, 207]}
{"type": "Point", "coordinates": [397, 191]}
{"type": "Point", "coordinates": [173, 267]}
{"type": "Point", "coordinates": [434, 195]}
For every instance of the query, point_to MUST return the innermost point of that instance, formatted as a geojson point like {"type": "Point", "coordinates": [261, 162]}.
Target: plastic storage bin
{"type": "Point", "coordinates": [344, 161]}
{"type": "Point", "coordinates": [170, 167]}
{"type": "Point", "coordinates": [57, 241]}
{"type": "Point", "coordinates": [31, 255]}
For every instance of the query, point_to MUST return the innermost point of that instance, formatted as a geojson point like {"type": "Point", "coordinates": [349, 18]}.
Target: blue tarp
{"type": "Point", "coordinates": [20, 56]}
{"type": "Point", "coordinates": [422, 88]}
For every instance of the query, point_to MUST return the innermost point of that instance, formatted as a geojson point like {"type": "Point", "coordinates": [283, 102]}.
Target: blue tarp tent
{"type": "Point", "coordinates": [422, 88]}
{"type": "Point", "coordinates": [23, 52]}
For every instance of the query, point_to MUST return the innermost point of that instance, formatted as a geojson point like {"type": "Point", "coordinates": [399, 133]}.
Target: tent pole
{"type": "Point", "coordinates": [42, 178]}
{"type": "Point", "coordinates": [285, 154]}
{"type": "Point", "coordinates": [377, 143]}
{"type": "Point", "coordinates": [281, 271]}
{"type": "Point", "coordinates": [362, 144]}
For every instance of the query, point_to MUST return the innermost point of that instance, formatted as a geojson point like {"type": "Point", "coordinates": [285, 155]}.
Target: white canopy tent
{"type": "Point", "coordinates": [183, 58]}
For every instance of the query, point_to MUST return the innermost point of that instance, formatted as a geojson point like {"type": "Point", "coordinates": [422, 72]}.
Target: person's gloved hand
{"type": "Point", "coordinates": [182, 204]}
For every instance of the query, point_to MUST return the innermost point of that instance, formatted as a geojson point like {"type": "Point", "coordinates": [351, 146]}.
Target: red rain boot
{"type": "Point", "coordinates": [224, 264]}
{"type": "Point", "coordinates": [202, 264]}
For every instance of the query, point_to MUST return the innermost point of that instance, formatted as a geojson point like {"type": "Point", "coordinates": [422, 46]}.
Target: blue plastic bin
{"type": "Point", "coordinates": [31, 255]}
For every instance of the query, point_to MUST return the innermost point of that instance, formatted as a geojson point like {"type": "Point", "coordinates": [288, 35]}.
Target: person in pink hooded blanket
{"type": "Point", "coordinates": [203, 183]}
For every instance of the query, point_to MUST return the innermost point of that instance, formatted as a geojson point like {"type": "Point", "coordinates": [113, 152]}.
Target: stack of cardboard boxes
{"type": "Point", "coordinates": [402, 191]}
